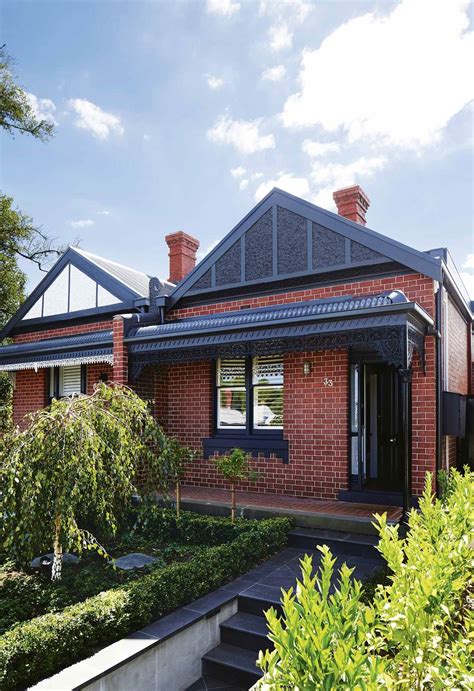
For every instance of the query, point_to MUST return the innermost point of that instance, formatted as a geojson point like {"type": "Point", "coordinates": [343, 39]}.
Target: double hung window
{"type": "Point", "coordinates": [66, 381]}
{"type": "Point", "coordinates": [249, 394]}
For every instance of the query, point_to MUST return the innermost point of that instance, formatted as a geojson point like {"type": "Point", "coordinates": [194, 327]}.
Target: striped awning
{"type": "Point", "coordinates": [87, 348]}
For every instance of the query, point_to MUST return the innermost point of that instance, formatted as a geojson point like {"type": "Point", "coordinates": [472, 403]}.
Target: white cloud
{"type": "Point", "coordinates": [103, 213]}
{"type": "Point", "coordinates": [274, 74]}
{"type": "Point", "coordinates": [226, 8]}
{"type": "Point", "coordinates": [244, 184]}
{"type": "Point", "coordinates": [287, 182]}
{"type": "Point", "coordinates": [214, 83]}
{"type": "Point", "coordinates": [92, 118]}
{"type": "Point", "coordinates": [244, 135]}
{"type": "Point", "coordinates": [256, 176]}
{"type": "Point", "coordinates": [468, 280]}
{"type": "Point", "coordinates": [469, 263]}
{"type": "Point", "coordinates": [146, 137]}
{"type": "Point", "coordinates": [296, 10]}
{"type": "Point", "coordinates": [43, 108]}
{"type": "Point", "coordinates": [238, 172]}
{"type": "Point", "coordinates": [333, 176]}
{"type": "Point", "coordinates": [83, 223]}
{"type": "Point", "coordinates": [394, 78]}
{"type": "Point", "coordinates": [280, 37]}
{"type": "Point", "coordinates": [314, 148]}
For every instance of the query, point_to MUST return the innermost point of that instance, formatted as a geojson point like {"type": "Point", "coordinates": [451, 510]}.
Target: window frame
{"type": "Point", "coordinates": [55, 375]}
{"type": "Point", "coordinates": [249, 430]}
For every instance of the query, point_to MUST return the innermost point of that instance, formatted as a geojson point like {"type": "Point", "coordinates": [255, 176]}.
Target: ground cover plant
{"type": "Point", "coordinates": [414, 631]}
{"type": "Point", "coordinates": [196, 554]}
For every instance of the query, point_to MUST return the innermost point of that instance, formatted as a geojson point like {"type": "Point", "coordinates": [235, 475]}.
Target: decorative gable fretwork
{"type": "Point", "coordinates": [281, 244]}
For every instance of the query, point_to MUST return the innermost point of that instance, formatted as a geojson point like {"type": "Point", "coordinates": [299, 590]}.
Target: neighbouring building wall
{"type": "Point", "coordinates": [456, 369]}
{"type": "Point", "coordinates": [30, 392]}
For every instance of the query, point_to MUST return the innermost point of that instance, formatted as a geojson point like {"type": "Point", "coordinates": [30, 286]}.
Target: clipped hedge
{"type": "Point", "coordinates": [41, 647]}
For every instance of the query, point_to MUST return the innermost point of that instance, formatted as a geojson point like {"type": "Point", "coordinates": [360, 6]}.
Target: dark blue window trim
{"type": "Point", "coordinates": [256, 441]}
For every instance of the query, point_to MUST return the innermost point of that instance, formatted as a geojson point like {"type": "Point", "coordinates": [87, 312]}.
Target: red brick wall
{"type": "Point", "coordinates": [457, 350]}
{"type": "Point", "coordinates": [416, 287]}
{"type": "Point", "coordinates": [93, 374]}
{"type": "Point", "coordinates": [315, 423]}
{"type": "Point", "coordinates": [62, 331]}
{"type": "Point", "coordinates": [29, 394]}
{"type": "Point", "coordinates": [120, 375]}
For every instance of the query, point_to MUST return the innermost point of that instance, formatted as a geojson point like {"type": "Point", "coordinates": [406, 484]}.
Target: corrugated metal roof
{"type": "Point", "coordinates": [299, 311]}
{"type": "Point", "coordinates": [95, 346]}
{"type": "Point", "coordinates": [136, 280]}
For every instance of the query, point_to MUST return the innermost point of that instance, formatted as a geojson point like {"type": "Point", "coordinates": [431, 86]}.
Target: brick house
{"type": "Point", "coordinates": [338, 357]}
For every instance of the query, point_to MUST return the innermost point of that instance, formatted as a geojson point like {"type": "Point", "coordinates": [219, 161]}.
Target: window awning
{"type": "Point", "coordinates": [87, 348]}
{"type": "Point", "coordinates": [389, 323]}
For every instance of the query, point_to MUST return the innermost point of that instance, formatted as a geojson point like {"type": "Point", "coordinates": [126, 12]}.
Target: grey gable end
{"type": "Point", "coordinates": [286, 239]}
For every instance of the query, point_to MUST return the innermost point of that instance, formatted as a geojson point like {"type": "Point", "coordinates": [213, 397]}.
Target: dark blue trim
{"type": "Point", "coordinates": [108, 282]}
{"type": "Point", "coordinates": [253, 444]}
{"type": "Point", "coordinates": [394, 250]}
{"type": "Point", "coordinates": [67, 345]}
{"type": "Point", "coordinates": [287, 278]}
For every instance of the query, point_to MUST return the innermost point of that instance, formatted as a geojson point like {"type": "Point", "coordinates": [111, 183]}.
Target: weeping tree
{"type": "Point", "coordinates": [235, 467]}
{"type": "Point", "coordinates": [77, 460]}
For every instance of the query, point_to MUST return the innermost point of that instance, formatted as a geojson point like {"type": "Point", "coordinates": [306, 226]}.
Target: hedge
{"type": "Point", "coordinates": [36, 649]}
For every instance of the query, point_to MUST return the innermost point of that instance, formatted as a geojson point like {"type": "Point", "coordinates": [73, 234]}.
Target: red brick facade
{"type": "Point", "coordinates": [315, 415]}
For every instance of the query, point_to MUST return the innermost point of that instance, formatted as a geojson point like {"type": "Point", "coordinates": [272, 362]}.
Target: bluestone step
{"type": "Point", "coordinates": [246, 631]}
{"type": "Point", "coordinates": [340, 543]}
{"type": "Point", "coordinates": [231, 664]}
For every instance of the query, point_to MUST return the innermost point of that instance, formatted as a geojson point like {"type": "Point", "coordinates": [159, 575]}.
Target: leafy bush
{"type": "Point", "coordinates": [416, 633]}
{"type": "Point", "coordinates": [235, 467]}
{"type": "Point", "coordinates": [38, 648]}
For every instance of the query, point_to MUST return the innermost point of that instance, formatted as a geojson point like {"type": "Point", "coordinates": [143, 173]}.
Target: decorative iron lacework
{"type": "Point", "coordinates": [389, 341]}
{"type": "Point", "coordinates": [87, 348]}
{"type": "Point", "coordinates": [57, 362]}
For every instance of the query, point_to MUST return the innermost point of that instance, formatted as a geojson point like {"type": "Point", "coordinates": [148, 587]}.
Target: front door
{"type": "Point", "coordinates": [376, 428]}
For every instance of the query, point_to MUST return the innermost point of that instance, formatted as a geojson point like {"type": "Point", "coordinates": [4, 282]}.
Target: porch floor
{"type": "Point", "coordinates": [305, 510]}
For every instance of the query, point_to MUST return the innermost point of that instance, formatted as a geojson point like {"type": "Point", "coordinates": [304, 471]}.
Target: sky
{"type": "Point", "coordinates": [182, 115]}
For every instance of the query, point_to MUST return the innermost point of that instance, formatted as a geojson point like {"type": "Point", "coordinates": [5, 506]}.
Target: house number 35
{"type": "Point", "coordinates": [328, 382]}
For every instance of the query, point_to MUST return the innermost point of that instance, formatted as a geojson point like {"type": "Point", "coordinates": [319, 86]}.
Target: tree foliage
{"type": "Point", "coordinates": [77, 460]}
{"type": "Point", "coordinates": [16, 111]}
{"type": "Point", "coordinates": [235, 467]}
{"type": "Point", "coordinates": [417, 633]}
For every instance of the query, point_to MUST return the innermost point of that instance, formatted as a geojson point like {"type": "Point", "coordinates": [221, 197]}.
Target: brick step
{"type": "Point", "coordinates": [246, 631]}
{"type": "Point", "coordinates": [340, 543]}
{"type": "Point", "coordinates": [232, 665]}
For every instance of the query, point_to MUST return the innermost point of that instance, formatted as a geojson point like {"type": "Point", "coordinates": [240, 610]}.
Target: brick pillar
{"type": "Point", "coordinates": [120, 375]}
{"type": "Point", "coordinates": [352, 203]}
{"type": "Point", "coordinates": [182, 254]}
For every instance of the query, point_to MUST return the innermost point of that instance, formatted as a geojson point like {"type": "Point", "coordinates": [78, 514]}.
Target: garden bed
{"type": "Point", "coordinates": [95, 604]}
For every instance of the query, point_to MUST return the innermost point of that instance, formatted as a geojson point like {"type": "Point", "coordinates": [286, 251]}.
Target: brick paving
{"type": "Point", "coordinates": [282, 501]}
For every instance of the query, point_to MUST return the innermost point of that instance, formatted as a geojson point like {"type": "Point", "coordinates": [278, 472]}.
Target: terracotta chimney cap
{"type": "Point", "coordinates": [182, 254]}
{"type": "Point", "coordinates": [352, 203]}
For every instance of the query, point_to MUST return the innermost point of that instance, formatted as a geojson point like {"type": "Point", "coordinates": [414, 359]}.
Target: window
{"type": "Point", "coordinates": [66, 381]}
{"type": "Point", "coordinates": [250, 394]}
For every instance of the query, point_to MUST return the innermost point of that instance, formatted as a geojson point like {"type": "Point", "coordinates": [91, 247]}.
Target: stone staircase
{"type": "Point", "coordinates": [231, 665]}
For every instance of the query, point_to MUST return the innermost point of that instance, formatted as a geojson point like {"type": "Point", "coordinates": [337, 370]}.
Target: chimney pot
{"type": "Point", "coordinates": [352, 203]}
{"type": "Point", "coordinates": [182, 254]}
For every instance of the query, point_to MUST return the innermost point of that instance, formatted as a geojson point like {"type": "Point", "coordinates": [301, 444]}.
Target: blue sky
{"type": "Point", "coordinates": [181, 115]}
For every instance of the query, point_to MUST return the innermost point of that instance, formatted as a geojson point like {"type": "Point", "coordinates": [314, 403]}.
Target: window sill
{"type": "Point", "coordinates": [264, 444]}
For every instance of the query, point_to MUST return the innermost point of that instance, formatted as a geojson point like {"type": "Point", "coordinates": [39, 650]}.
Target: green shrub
{"type": "Point", "coordinates": [37, 649]}
{"type": "Point", "coordinates": [416, 632]}
{"type": "Point", "coordinates": [322, 640]}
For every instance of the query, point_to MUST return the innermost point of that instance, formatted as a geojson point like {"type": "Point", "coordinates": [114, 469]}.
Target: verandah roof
{"type": "Point", "coordinates": [85, 348]}
{"type": "Point", "coordinates": [389, 323]}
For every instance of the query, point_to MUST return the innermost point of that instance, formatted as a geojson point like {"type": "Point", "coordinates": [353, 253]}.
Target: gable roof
{"type": "Point", "coordinates": [373, 247]}
{"type": "Point", "coordinates": [116, 287]}
{"type": "Point", "coordinates": [135, 280]}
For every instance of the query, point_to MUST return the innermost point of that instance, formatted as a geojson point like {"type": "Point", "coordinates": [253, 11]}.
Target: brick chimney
{"type": "Point", "coordinates": [352, 203]}
{"type": "Point", "coordinates": [182, 255]}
